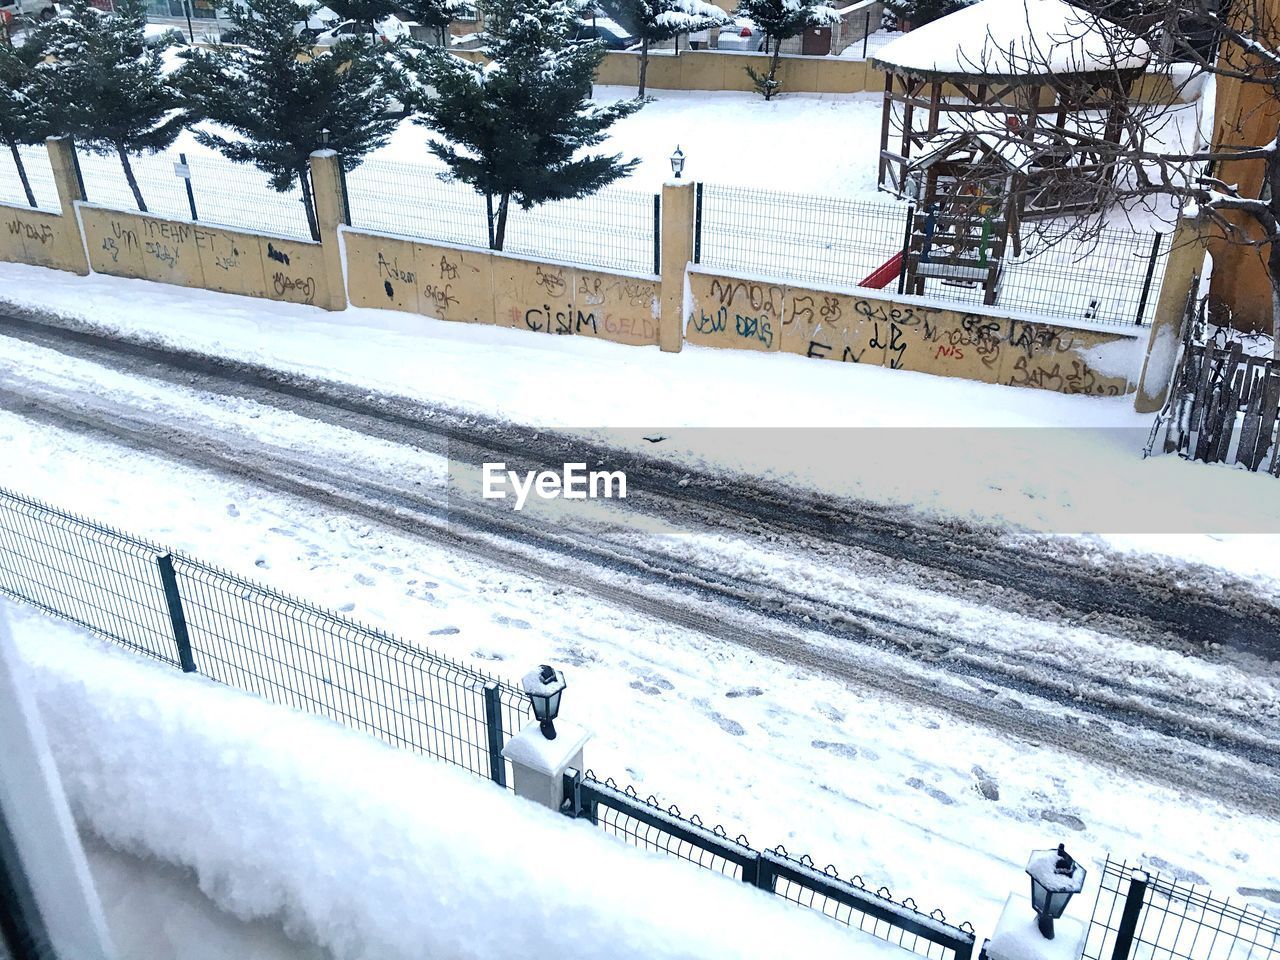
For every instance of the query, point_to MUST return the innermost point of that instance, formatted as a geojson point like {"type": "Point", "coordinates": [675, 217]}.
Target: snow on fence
{"type": "Point", "coordinates": [191, 615]}
{"type": "Point", "coordinates": [1141, 915]}
{"type": "Point", "coordinates": [1111, 277]}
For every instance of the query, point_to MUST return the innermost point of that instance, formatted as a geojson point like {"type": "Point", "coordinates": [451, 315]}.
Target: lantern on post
{"type": "Point", "coordinates": [1055, 878]}
{"type": "Point", "coordinates": [544, 687]}
{"type": "Point", "coordinates": [677, 162]}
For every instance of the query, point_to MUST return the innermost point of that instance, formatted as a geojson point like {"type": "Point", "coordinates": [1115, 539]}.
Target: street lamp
{"type": "Point", "coordinates": [677, 161]}
{"type": "Point", "coordinates": [1055, 879]}
{"type": "Point", "coordinates": [544, 687]}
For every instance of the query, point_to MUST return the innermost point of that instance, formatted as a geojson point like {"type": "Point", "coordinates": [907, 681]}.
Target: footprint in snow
{"type": "Point", "coordinates": [232, 510]}
{"type": "Point", "coordinates": [731, 727]}
{"type": "Point", "coordinates": [445, 632]}
{"type": "Point", "coordinates": [846, 750]}
{"type": "Point", "coordinates": [1178, 873]}
{"type": "Point", "coordinates": [511, 622]}
{"type": "Point", "coordinates": [482, 654]}
{"type": "Point", "coordinates": [644, 688]}
{"type": "Point", "coordinates": [986, 784]}
{"type": "Point", "coordinates": [656, 679]}
{"type": "Point", "coordinates": [346, 608]}
{"type": "Point", "coordinates": [1068, 820]}
{"type": "Point", "coordinates": [829, 712]}
{"type": "Point", "coordinates": [934, 792]}
{"type": "Point", "coordinates": [364, 579]}
{"type": "Point", "coordinates": [745, 692]}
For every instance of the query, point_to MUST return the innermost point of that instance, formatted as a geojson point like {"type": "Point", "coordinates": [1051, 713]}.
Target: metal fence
{"type": "Point", "coordinates": [645, 824]}
{"type": "Point", "coordinates": [1111, 276]}
{"type": "Point", "coordinates": [1140, 915]}
{"type": "Point", "coordinates": [35, 163]}
{"type": "Point", "coordinates": [615, 229]}
{"type": "Point", "coordinates": [201, 619]}
{"type": "Point", "coordinates": [203, 187]}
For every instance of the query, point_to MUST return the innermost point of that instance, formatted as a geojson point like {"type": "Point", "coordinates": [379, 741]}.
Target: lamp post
{"type": "Point", "coordinates": [1055, 878]}
{"type": "Point", "coordinates": [544, 687]}
{"type": "Point", "coordinates": [677, 162]}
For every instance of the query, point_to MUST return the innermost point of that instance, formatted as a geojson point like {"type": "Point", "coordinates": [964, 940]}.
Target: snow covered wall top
{"type": "Point", "coordinates": [372, 853]}
{"type": "Point", "coordinates": [1015, 38]}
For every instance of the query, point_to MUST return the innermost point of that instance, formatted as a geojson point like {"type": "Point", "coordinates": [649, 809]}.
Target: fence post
{"type": "Point", "coordinates": [176, 616]}
{"type": "Point", "coordinates": [697, 224]}
{"type": "Point", "coordinates": [1146, 282]}
{"type": "Point", "coordinates": [493, 730]}
{"type": "Point", "coordinates": [326, 184]}
{"type": "Point", "coordinates": [657, 233]}
{"type": "Point", "coordinates": [677, 254]}
{"type": "Point", "coordinates": [1186, 252]}
{"type": "Point", "coordinates": [866, 33]}
{"type": "Point", "coordinates": [70, 186]}
{"type": "Point", "coordinates": [1133, 902]}
{"type": "Point", "coordinates": [906, 248]}
{"type": "Point", "coordinates": [186, 179]}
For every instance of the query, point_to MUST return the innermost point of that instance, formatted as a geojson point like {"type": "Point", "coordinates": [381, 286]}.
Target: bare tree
{"type": "Point", "coordinates": [1149, 144]}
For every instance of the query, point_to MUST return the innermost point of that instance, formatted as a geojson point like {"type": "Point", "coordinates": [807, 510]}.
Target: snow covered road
{"type": "Point", "coordinates": [931, 613]}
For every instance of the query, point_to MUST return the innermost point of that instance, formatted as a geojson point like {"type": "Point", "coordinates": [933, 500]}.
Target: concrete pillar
{"type": "Point", "coordinates": [539, 764]}
{"type": "Point", "coordinates": [677, 254]}
{"type": "Point", "coordinates": [1186, 257]}
{"type": "Point", "coordinates": [62, 159]}
{"type": "Point", "coordinates": [331, 212]}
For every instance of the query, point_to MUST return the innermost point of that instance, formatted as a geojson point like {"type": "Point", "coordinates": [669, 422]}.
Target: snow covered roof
{"type": "Point", "coordinates": [1014, 39]}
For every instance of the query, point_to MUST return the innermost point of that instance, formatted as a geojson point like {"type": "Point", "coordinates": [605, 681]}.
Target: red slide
{"type": "Point", "coordinates": [884, 274]}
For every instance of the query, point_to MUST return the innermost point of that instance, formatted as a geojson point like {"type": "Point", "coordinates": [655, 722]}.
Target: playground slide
{"type": "Point", "coordinates": [885, 274]}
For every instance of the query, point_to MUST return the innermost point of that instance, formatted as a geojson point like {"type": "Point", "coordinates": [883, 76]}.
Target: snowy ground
{"type": "Point", "coordinates": [903, 794]}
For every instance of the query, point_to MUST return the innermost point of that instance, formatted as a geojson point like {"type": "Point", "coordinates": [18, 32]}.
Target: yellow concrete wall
{"type": "Point", "coordinates": [476, 286]}
{"type": "Point", "coordinates": [199, 255]}
{"type": "Point", "coordinates": [39, 238]}
{"type": "Point", "coordinates": [740, 314]}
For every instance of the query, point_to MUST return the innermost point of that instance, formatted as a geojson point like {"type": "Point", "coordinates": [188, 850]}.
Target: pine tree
{"type": "Point", "coordinates": [781, 20]}
{"type": "Point", "coordinates": [103, 84]}
{"type": "Point", "coordinates": [658, 20]}
{"type": "Point", "coordinates": [368, 12]}
{"type": "Point", "coordinates": [515, 127]}
{"type": "Point", "coordinates": [283, 103]}
{"type": "Point", "coordinates": [23, 118]}
{"type": "Point", "coordinates": [920, 12]}
{"type": "Point", "coordinates": [433, 14]}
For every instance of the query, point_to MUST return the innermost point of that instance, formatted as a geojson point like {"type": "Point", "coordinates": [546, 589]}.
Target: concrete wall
{"type": "Point", "coordinates": [197, 255]}
{"type": "Point", "coordinates": [33, 236]}
{"type": "Point", "coordinates": [907, 334]}
{"type": "Point", "coordinates": [477, 286]}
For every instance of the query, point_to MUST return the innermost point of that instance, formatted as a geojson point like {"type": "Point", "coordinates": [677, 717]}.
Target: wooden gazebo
{"type": "Point", "coordinates": [1035, 73]}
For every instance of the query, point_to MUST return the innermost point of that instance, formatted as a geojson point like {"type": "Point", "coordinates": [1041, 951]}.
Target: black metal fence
{"type": "Point", "coordinates": [201, 619]}
{"type": "Point", "coordinates": [645, 824]}
{"type": "Point", "coordinates": [1141, 915]}
{"type": "Point", "coordinates": [1109, 276]}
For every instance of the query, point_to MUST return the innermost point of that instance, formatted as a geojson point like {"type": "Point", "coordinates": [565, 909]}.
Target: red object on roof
{"type": "Point", "coordinates": [884, 274]}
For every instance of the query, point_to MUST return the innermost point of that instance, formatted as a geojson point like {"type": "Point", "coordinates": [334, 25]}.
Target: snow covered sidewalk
{"type": "Point", "coordinates": [366, 851]}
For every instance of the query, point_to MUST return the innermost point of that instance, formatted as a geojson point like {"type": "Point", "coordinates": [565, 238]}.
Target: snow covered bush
{"type": "Point", "coordinates": [517, 127]}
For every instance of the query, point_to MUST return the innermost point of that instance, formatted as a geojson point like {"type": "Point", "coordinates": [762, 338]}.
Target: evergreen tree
{"type": "Point", "coordinates": [919, 12]}
{"type": "Point", "coordinates": [658, 20]}
{"type": "Point", "coordinates": [781, 20]}
{"type": "Point", "coordinates": [433, 14]}
{"type": "Point", "coordinates": [515, 127]}
{"type": "Point", "coordinates": [368, 12]}
{"type": "Point", "coordinates": [103, 84]}
{"type": "Point", "coordinates": [23, 118]}
{"type": "Point", "coordinates": [283, 103]}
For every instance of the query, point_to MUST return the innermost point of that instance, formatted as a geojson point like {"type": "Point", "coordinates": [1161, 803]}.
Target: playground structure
{"type": "Point", "coordinates": [976, 108]}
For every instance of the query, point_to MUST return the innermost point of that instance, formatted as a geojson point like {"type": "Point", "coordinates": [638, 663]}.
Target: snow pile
{"type": "Point", "coordinates": [1016, 38]}
{"type": "Point", "coordinates": [369, 852]}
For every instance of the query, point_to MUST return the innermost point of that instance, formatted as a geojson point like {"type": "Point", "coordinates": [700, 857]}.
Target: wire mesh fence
{"type": "Point", "coordinates": [647, 825]}
{"type": "Point", "coordinates": [249, 636]}
{"type": "Point", "coordinates": [613, 229]}
{"type": "Point", "coordinates": [1110, 276]}
{"type": "Point", "coordinates": [35, 163]}
{"type": "Point", "coordinates": [222, 193]}
{"type": "Point", "coordinates": [1139, 915]}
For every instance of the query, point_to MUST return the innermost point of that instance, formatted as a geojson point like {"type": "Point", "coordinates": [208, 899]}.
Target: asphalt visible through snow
{"type": "Point", "coordinates": [1168, 735]}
